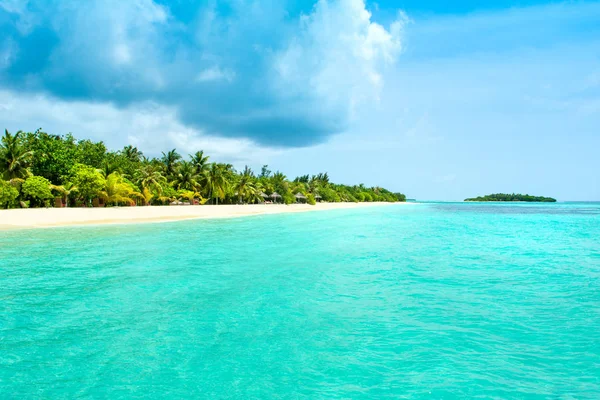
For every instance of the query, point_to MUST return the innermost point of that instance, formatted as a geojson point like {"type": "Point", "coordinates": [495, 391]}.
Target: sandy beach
{"type": "Point", "coordinates": [51, 217]}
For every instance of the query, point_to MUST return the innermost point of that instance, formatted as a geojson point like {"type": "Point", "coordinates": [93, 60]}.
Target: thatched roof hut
{"type": "Point", "coordinates": [275, 196]}
{"type": "Point", "coordinates": [264, 195]}
{"type": "Point", "coordinates": [300, 198]}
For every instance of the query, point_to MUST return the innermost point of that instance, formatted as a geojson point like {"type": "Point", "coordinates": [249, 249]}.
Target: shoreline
{"type": "Point", "coordinates": [62, 217]}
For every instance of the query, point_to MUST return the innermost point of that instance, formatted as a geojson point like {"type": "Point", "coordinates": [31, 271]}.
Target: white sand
{"type": "Point", "coordinates": [48, 217]}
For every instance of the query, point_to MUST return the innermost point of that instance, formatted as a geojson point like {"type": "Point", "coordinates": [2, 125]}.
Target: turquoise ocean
{"type": "Point", "coordinates": [432, 300]}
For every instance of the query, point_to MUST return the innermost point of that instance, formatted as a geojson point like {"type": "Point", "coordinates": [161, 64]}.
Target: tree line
{"type": "Point", "coordinates": [37, 168]}
{"type": "Point", "coordinates": [513, 197]}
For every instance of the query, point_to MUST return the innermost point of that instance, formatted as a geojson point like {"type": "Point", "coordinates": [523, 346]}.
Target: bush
{"type": "Point", "coordinates": [8, 194]}
{"type": "Point", "coordinates": [288, 197]}
{"type": "Point", "coordinates": [310, 199]}
{"type": "Point", "coordinates": [88, 181]}
{"type": "Point", "coordinates": [37, 190]}
{"type": "Point", "coordinates": [400, 197]}
{"type": "Point", "coordinates": [330, 195]}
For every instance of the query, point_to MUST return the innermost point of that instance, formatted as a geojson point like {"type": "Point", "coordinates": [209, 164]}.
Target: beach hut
{"type": "Point", "coordinates": [98, 202]}
{"type": "Point", "coordinates": [318, 198]}
{"type": "Point", "coordinates": [300, 198]}
{"type": "Point", "coordinates": [275, 196]}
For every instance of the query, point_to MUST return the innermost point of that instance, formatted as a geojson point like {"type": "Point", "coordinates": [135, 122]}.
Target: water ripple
{"type": "Point", "coordinates": [436, 301]}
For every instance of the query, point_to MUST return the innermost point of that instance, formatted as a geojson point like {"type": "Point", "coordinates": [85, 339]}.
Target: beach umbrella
{"type": "Point", "coordinates": [264, 195]}
{"type": "Point", "coordinates": [275, 196]}
{"type": "Point", "coordinates": [300, 197]}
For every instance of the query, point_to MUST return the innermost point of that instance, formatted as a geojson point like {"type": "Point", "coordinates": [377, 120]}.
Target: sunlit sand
{"type": "Point", "coordinates": [48, 217]}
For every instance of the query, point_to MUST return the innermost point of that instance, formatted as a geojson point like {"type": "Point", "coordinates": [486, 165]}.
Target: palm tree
{"type": "Point", "coordinates": [298, 187]}
{"type": "Point", "coordinates": [149, 177]}
{"type": "Point", "coordinates": [248, 171]}
{"type": "Point", "coordinates": [65, 190]}
{"type": "Point", "coordinates": [323, 178]}
{"type": "Point", "coordinates": [217, 180]}
{"type": "Point", "coordinates": [245, 186]}
{"type": "Point", "coordinates": [190, 196]}
{"type": "Point", "coordinates": [117, 191]}
{"type": "Point", "coordinates": [199, 161]}
{"type": "Point", "coordinates": [108, 167]}
{"type": "Point", "coordinates": [132, 153]}
{"type": "Point", "coordinates": [169, 160]}
{"type": "Point", "coordinates": [186, 177]}
{"type": "Point", "coordinates": [303, 178]}
{"type": "Point", "coordinates": [147, 195]}
{"type": "Point", "coordinates": [15, 160]}
{"type": "Point", "coordinates": [278, 178]}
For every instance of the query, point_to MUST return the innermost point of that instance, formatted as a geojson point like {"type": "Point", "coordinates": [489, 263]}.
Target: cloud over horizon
{"type": "Point", "coordinates": [260, 71]}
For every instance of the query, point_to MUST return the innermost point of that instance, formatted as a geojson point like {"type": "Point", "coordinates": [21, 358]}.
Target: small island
{"type": "Point", "coordinates": [513, 197]}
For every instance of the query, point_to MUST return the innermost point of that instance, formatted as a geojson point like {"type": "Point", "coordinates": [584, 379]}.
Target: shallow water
{"type": "Point", "coordinates": [435, 300]}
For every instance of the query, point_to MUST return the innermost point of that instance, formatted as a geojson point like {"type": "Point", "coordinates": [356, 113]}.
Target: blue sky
{"type": "Point", "coordinates": [440, 100]}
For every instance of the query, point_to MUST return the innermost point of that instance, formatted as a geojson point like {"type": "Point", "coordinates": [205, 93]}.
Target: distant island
{"type": "Point", "coordinates": [513, 197]}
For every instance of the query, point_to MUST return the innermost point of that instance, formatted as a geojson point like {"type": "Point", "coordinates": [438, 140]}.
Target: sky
{"type": "Point", "coordinates": [439, 100]}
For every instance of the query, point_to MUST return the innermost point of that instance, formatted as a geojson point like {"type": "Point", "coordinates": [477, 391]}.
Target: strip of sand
{"type": "Point", "coordinates": [51, 217]}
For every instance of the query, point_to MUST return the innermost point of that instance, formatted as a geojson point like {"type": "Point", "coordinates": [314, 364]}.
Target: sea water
{"type": "Point", "coordinates": [427, 300]}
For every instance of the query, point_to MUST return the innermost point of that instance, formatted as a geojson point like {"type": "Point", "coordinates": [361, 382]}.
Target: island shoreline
{"type": "Point", "coordinates": [17, 219]}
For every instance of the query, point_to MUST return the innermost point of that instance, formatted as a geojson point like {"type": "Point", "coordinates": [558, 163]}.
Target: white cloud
{"type": "Point", "coordinates": [215, 73]}
{"type": "Point", "coordinates": [111, 44]}
{"type": "Point", "coordinates": [277, 79]}
{"type": "Point", "coordinates": [7, 53]}
{"type": "Point", "coordinates": [338, 56]}
{"type": "Point", "coordinates": [152, 128]}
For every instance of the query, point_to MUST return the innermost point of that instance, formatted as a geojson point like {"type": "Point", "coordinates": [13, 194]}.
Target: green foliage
{"type": "Point", "coordinates": [169, 193]}
{"type": "Point", "coordinates": [186, 177]}
{"type": "Point", "coordinates": [400, 197]}
{"type": "Point", "coordinates": [217, 179]}
{"type": "Point", "coordinates": [329, 195]}
{"type": "Point", "coordinates": [310, 199]}
{"type": "Point", "coordinates": [118, 191]}
{"type": "Point", "coordinates": [36, 189]}
{"type": "Point", "coordinates": [54, 156]}
{"type": "Point", "coordinates": [513, 197]}
{"type": "Point", "coordinates": [288, 197]}
{"type": "Point", "coordinates": [8, 194]}
{"type": "Point", "coordinates": [80, 170]}
{"type": "Point", "coordinates": [15, 157]}
{"type": "Point", "coordinates": [89, 181]}
{"type": "Point", "coordinates": [90, 153]}
{"type": "Point", "coordinates": [169, 160]}
{"type": "Point", "coordinates": [200, 162]}
{"type": "Point", "coordinates": [150, 177]}
{"type": "Point", "coordinates": [65, 191]}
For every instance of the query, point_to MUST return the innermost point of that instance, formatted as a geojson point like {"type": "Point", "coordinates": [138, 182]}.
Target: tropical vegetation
{"type": "Point", "coordinates": [512, 197]}
{"type": "Point", "coordinates": [38, 169]}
